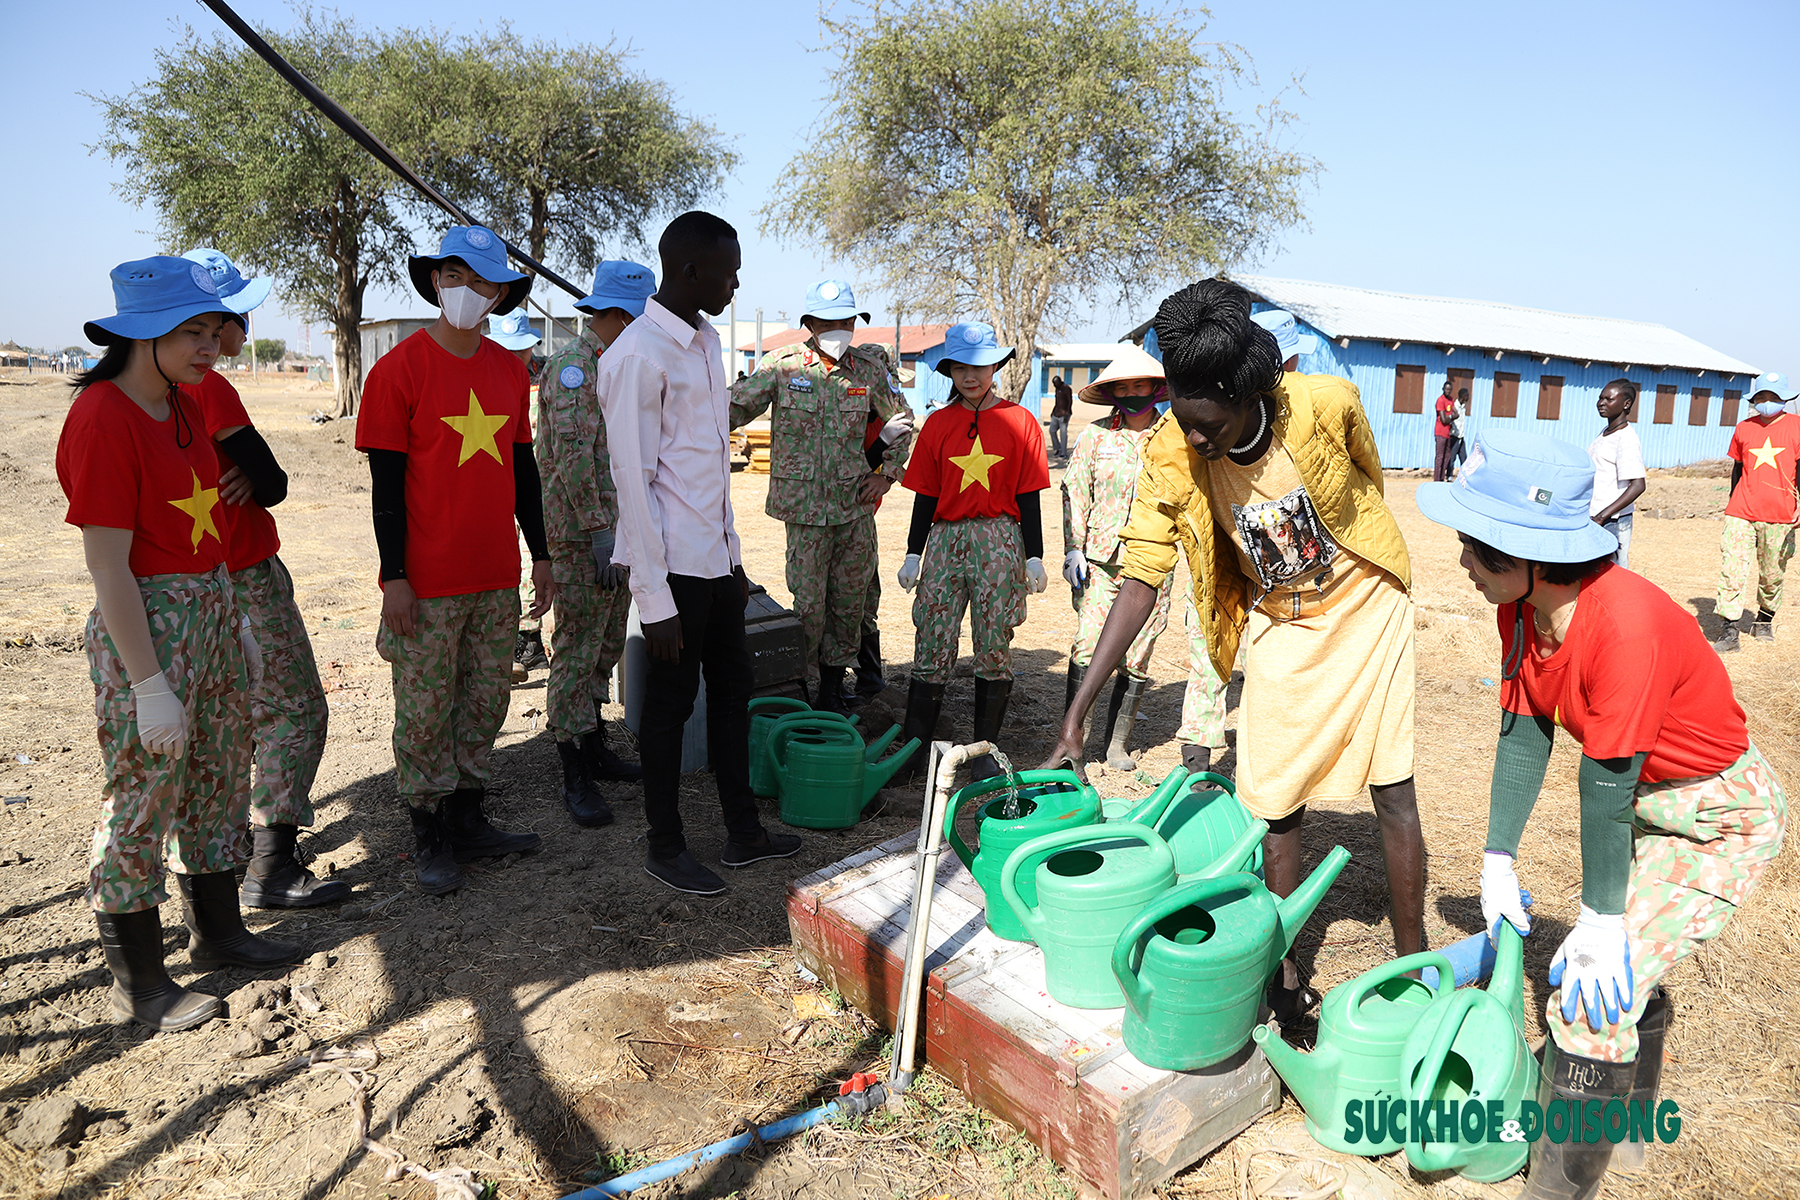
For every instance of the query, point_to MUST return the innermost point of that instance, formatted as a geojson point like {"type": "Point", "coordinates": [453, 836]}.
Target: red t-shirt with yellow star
{"type": "Point", "coordinates": [122, 469]}
{"type": "Point", "coordinates": [456, 420]}
{"type": "Point", "coordinates": [250, 531]}
{"type": "Point", "coordinates": [1768, 452]}
{"type": "Point", "coordinates": [978, 466]}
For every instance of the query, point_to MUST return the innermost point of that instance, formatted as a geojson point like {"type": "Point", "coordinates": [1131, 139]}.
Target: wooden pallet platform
{"type": "Point", "coordinates": [1062, 1075]}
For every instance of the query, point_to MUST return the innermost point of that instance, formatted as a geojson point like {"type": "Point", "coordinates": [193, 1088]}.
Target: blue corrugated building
{"type": "Point", "coordinates": [1525, 368]}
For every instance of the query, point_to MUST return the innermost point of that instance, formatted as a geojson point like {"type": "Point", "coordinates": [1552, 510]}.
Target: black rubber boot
{"type": "Point", "coordinates": [924, 701]}
{"type": "Point", "coordinates": [277, 880]}
{"type": "Point", "coordinates": [217, 925]}
{"type": "Point", "coordinates": [142, 990]}
{"type": "Point", "coordinates": [1121, 716]}
{"type": "Point", "coordinates": [1572, 1170]}
{"type": "Point", "coordinates": [471, 836]}
{"type": "Point", "coordinates": [990, 712]}
{"type": "Point", "coordinates": [869, 680]}
{"type": "Point", "coordinates": [831, 690]}
{"type": "Point", "coordinates": [581, 800]}
{"type": "Point", "coordinates": [603, 764]}
{"type": "Point", "coordinates": [1197, 759]}
{"type": "Point", "coordinates": [432, 858]}
{"type": "Point", "coordinates": [528, 651]}
{"type": "Point", "coordinates": [1728, 641]}
{"type": "Point", "coordinates": [1653, 1028]}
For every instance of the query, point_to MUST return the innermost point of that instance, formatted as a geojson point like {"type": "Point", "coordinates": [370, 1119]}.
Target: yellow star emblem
{"type": "Point", "coordinates": [975, 464]}
{"type": "Point", "coordinates": [478, 430]}
{"type": "Point", "coordinates": [1765, 453]}
{"type": "Point", "coordinates": [200, 507]}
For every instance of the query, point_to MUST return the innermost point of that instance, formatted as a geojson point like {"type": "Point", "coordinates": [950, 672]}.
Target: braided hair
{"type": "Point", "coordinates": [1209, 343]}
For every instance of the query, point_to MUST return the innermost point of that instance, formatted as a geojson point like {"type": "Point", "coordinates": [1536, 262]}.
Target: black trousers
{"type": "Point", "coordinates": [712, 640]}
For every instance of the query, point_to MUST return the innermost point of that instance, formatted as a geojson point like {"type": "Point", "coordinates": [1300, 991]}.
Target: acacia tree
{"type": "Point", "coordinates": [1008, 156]}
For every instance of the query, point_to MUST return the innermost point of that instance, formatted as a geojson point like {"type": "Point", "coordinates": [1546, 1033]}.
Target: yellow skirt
{"type": "Point", "coordinates": [1327, 708]}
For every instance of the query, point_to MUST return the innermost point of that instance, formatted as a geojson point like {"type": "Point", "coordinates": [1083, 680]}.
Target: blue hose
{"type": "Point", "coordinates": [845, 1106]}
{"type": "Point", "coordinates": [1472, 959]}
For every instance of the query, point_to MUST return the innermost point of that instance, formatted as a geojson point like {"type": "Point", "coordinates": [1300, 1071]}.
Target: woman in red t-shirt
{"type": "Point", "coordinates": [170, 659]}
{"type": "Point", "coordinates": [1680, 813]}
{"type": "Point", "coordinates": [977, 540]}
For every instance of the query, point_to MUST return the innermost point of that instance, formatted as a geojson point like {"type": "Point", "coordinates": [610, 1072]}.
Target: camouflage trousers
{"type": "Point", "coordinates": [977, 564]}
{"type": "Point", "coordinates": [828, 568]}
{"type": "Point", "coordinates": [1095, 601]}
{"type": "Point", "coordinates": [288, 713]}
{"type": "Point", "coordinates": [587, 640]}
{"type": "Point", "coordinates": [452, 684]}
{"type": "Point", "coordinates": [1701, 847]}
{"type": "Point", "coordinates": [1752, 554]}
{"type": "Point", "coordinates": [527, 624]}
{"type": "Point", "coordinates": [189, 811]}
{"type": "Point", "coordinates": [1203, 705]}
{"type": "Point", "coordinates": [872, 599]}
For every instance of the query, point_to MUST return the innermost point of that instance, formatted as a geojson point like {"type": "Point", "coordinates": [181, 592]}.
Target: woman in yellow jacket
{"type": "Point", "coordinates": [1271, 485]}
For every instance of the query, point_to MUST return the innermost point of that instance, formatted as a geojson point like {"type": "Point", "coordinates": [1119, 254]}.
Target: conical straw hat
{"type": "Point", "coordinates": [1133, 362]}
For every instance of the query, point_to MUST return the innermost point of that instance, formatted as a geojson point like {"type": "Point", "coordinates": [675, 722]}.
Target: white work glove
{"type": "Point", "coordinates": [1593, 968]}
{"type": "Point", "coordinates": [161, 719]}
{"type": "Point", "coordinates": [252, 654]}
{"type": "Point", "coordinates": [1034, 575]}
{"type": "Point", "coordinates": [601, 543]}
{"type": "Point", "coordinates": [898, 425]}
{"type": "Point", "coordinates": [909, 572]}
{"type": "Point", "coordinates": [1075, 569]}
{"type": "Point", "coordinates": [1500, 895]}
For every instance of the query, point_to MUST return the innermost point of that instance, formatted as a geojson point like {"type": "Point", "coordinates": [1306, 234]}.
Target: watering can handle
{"type": "Point", "coordinates": [1009, 886]}
{"type": "Point", "coordinates": [778, 734]}
{"type": "Point", "coordinates": [1433, 1062]}
{"type": "Point", "coordinates": [1173, 900]}
{"type": "Point", "coordinates": [1225, 785]}
{"type": "Point", "coordinates": [962, 797]}
{"type": "Point", "coordinates": [1369, 980]}
{"type": "Point", "coordinates": [788, 702]}
{"type": "Point", "coordinates": [975, 791]}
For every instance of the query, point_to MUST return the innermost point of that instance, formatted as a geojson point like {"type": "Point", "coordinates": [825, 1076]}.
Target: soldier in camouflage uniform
{"type": "Point", "coordinates": [1097, 490]}
{"type": "Point", "coordinates": [1680, 812]}
{"type": "Point", "coordinates": [821, 395]}
{"type": "Point", "coordinates": [580, 508]}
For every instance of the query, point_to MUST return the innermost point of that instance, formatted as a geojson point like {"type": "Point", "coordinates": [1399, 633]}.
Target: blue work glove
{"type": "Point", "coordinates": [611, 576]}
{"type": "Point", "coordinates": [1501, 897]}
{"type": "Point", "coordinates": [1075, 569]}
{"type": "Point", "coordinates": [1593, 968]}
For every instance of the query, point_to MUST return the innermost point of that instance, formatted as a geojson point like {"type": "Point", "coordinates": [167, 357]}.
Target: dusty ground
{"type": "Point", "coordinates": [563, 1015]}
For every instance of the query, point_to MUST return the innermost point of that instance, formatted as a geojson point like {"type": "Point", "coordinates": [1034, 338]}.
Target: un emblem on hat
{"type": "Point", "coordinates": [203, 279]}
{"type": "Point", "coordinates": [479, 239]}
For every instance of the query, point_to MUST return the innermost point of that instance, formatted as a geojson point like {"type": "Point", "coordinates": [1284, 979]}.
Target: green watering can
{"type": "Point", "coordinates": [824, 774]}
{"type": "Point", "coordinates": [1129, 810]}
{"type": "Point", "coordinates": [1473, 1048]}
{"type": "Point", "coordinates": [1192, 965]}
{"type": "Point", "coordinates": [1198, 825]}
{"type": "Point", "coordinates": [1362, 1026]}
{"type": "Point", "coordinates": [764, 712]}
{"type": "Point", "coordinates": [1048, 801]}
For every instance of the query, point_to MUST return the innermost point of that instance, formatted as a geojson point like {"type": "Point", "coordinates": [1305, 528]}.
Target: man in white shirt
{"type": "Point", "coordinates": [662, 392]}
{"type": "Point", "coordinates": [1618, 466]}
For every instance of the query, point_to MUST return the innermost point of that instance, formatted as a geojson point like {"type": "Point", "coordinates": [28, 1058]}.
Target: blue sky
{"type": "Point", "coordinates": [1626, 160]}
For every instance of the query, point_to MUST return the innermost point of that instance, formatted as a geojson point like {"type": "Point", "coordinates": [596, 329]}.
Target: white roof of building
{"type": "Point", "coordinates": [1082, 352]}
{"type": "Point", "coordinates": [1338, 311]}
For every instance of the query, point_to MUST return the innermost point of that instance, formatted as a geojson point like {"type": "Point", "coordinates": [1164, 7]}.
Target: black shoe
{"type": "Point", "coordinates": [277, 880]}
{"type": "Point", "coordinates": [142, 990]}
{"type": "Point", "coordinates": [580, 799]}
{"type": "Point", "coordinates": [924, 701]}
{"type": "Point", "coordinates": [1728, 641]}
{"type": "Point", "coordinates": [528, 651]}
{"type": "Point", "coordinates": [868, 665]}
{"type": "Point", "coordinates": [773, 845]}
{"type": "Point", "coordinates": [1290, 1005]}
{"type": "Point", "coordinates": [603, 764]}
{"type": "Point", "coordinates": [990, 712]}
{"type": "Point", "coordinates": [432, 858]}
{"type": "Point", "coordinates": [470, 834]}
{"type": "Point", "coordinates": [1572, 1170]}
{"type": "Point", "coordinates": [684, 874]}
{"type": "Point", "coordinates": [1197, 760]}
{"type": "Point", "coordinates": [1121, 717]}
{"type": "Point", "coordinates": [217, 925]}
{"type": "Point", "coordinates": [1653, 1028]}
{"type": "Point", "coordinates": [1763, 631]}
{"type": "Point", "coordinates": [831, 690]}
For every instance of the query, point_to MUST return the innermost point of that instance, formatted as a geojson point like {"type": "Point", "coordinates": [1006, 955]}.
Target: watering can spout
{"type": "Point", "coordinates": [1311, 1077]}
{"type": "Point", "coordinates": [876, 774]}
{"type": "Point", "coordinates": [1508, 982]}
{"type": "Point", "coordinates": [874, 748]}
{"type": "Point", "coordinates": [1299, 906]}
{"type": "Point", "coordinates": [1150, 808]}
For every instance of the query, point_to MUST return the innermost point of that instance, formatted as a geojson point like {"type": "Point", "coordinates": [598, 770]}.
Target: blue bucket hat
{"type": "Point", "coordinates": [1775, 381]}
{"type": "Point", "coordinates": [513, 331]}
{"type": "Point", "coordinates": [831, 300]}
{"type": "Point", "coordinates": [240, 294]}
{"type": "Point", "coordinates": [1281, 323]}
{"type": "Point", "coordinates": [485, 253]}
{"type": "Point", "coordinates": [973, 343]}
{"type": "Point", "coordinates": [153, 296]}
{"type": "Point", "coordinates": [1525, 495]}
{"type": "Point", "coordinates": [619, 283]}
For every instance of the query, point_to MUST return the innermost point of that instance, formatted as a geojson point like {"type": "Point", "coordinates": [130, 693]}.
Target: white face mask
{"type": "Point", "coordinates": [1771, 409]}
{"type": "Point", "coordinates": [834, 342]}
{"type": "Point", "coordinates": [464, 307]}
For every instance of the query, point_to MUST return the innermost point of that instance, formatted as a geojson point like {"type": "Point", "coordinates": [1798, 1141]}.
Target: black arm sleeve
{"type": "Point", "coordinates": [387, 496]}
{"type": "Point", "coordinates": [874, 454]}
{"type": "Point", "coordinates": [924, 513]}
{"type": "Point", "coordinates": [251, 455]}
{"type": "Point", "coordinates": [528, 501]}
{"type": "Point", "coordinates": [1031, 524]}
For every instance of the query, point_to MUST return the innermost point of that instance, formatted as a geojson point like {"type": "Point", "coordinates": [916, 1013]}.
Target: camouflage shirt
{"type": "Point", "coordinates": [579, 496]}
{"type": "Point", "coordinates": [1098, 487]}
{"type": "Point", "coordinates": [817, 428]}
